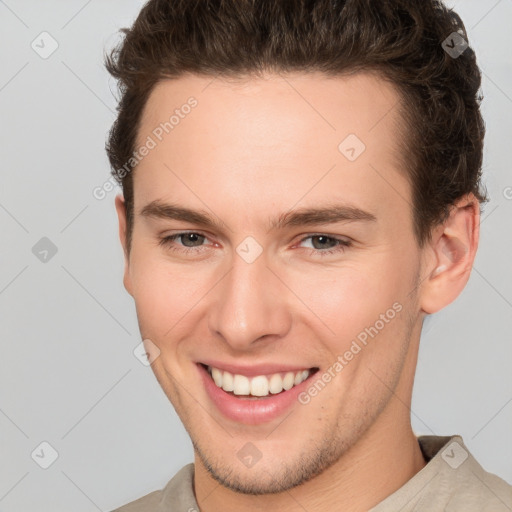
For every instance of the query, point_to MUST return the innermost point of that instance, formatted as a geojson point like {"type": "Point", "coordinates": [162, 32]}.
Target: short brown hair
{"type": "Point", "coordinates": [399, 39]}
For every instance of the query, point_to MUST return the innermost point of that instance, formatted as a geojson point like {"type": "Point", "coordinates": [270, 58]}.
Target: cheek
{"type": "Point", "coordinates": [359, 304]}
{"type": "Point", "coordinates": [339, 301]}
{"type": "Point", "coordinates": [164, 294]}
{"type": "Point", "coordinates": [348, 298]}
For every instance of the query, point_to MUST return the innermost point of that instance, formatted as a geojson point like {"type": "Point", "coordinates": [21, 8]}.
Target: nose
{"type": "Point", "coordinates": [250, 304]}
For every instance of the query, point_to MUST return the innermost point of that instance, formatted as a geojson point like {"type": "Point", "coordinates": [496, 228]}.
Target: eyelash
{"type": "Point", "coordinates": [340, 247]}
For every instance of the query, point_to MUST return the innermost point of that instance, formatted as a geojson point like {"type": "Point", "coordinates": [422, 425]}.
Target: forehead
{"type": "Point", "coordinates": [284, 138]}
{"type": "Point", "coordinates": [358, 102]}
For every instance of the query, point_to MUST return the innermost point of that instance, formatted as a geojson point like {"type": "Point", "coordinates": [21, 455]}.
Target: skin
{"type": "Point", "coordinates": [253, 149]}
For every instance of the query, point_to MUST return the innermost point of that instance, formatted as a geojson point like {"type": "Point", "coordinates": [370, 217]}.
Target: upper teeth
{"type": "Point", "coordinates": [260, 385]}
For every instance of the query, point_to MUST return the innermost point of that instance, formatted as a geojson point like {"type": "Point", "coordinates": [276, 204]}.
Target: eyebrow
{"type": "Point", "coordinates": [329, 214]}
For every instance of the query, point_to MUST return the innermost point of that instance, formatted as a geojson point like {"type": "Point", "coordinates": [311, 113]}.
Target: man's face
{"type": "Point", "coordinates": [254, 297]}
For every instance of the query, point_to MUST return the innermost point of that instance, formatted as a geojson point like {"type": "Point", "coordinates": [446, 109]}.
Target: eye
{"type": "Point", "coordinates": [190, 237]}
{"type": "Point", "coordinates": [325, 245]}
{"type": "Point", "coordinates": [193, 242]}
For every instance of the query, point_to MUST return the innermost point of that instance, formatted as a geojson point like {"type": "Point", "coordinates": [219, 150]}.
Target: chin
{"type": "Point", "coordinates": [269, 475]}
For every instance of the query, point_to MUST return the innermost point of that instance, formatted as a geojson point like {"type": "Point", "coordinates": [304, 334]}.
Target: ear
{"type": "Point", "coordinates": [452, 251]}
{"type": "Point", "coordinates": [121, 215]}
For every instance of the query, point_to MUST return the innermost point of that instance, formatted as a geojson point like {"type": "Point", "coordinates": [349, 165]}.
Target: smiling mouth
{"type": "Point", "coordinates": [258, 386]}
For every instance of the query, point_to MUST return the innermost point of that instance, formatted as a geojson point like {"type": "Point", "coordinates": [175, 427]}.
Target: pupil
{"type": "Point", "coordinates": [189, 237]}
{"type": "Point", "coordinates": [320, 238]}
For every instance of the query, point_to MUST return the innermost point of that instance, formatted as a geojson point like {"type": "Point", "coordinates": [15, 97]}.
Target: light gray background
{"type": "Point", "coordinates": [68, 375]}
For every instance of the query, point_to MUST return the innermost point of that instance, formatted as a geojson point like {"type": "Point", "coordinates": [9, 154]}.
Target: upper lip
{"type": "Point", "coordinates": [255, 369]}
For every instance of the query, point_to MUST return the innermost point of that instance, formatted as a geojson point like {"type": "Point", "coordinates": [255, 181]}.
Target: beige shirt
{"type": "Point", "coordinates": [452, 481]}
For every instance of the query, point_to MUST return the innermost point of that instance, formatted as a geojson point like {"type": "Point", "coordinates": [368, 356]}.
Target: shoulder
{"type": "Point", "coordinates": [469, 486]}
{"type": "Point", "coordinates": [148, 503]}
{"type": "Point", "coordinates": [452, 481]}
{"type": "Point", "coordinates": [459, 482]}
{"type": "Point", "coordinates": [177, 494]}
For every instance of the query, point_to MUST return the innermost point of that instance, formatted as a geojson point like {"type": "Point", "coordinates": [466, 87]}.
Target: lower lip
{"type": "Point", "coordinates": [249, 410]}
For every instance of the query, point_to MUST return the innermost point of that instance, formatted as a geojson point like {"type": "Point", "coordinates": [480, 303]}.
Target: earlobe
{"type": "Point", "coordinates": [454, 247]}
{"type": "Point", "coordinates": [121, 215]}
